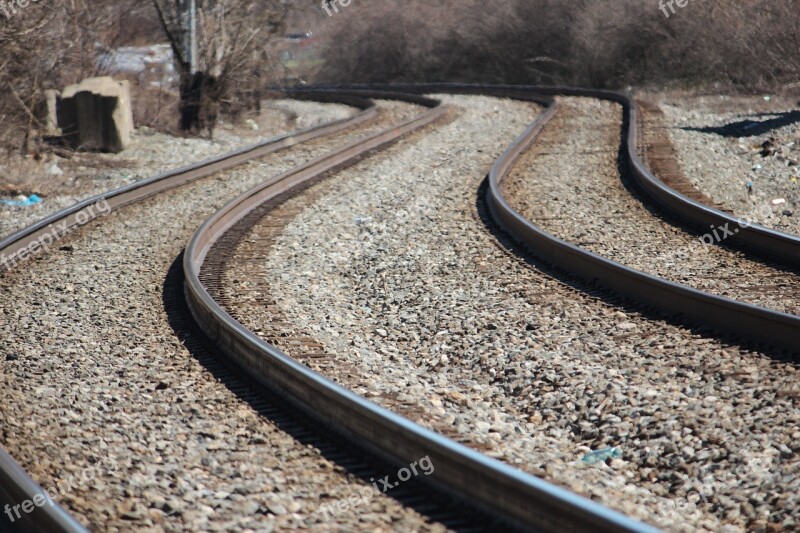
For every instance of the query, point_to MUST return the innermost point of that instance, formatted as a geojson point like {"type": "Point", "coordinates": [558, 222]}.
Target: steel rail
{"type": "Point", "coordinates": [759, 240]}
{"type": "Point", "coordinates": [762, 241]}
{"type": "Point", "coordinates": [15, 485]}
{"type": "Point", "coordinates": [743, 321]}
{"type": "Point", "coordinates": [773, 328]}
{"type": "Point", "coordinates": [520, 499]}
{"type": "Point", "coordinates": [135, 192]}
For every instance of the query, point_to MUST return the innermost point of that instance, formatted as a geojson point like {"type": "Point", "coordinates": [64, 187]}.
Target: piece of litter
{"type": "Point", "coordinates": [22, 201]}
{"type": "Point", "coordinates": [601, 455]}
{"type": "Point", "coordinates": [778, 201]}
{"type": "Point", "coordinates": [750, 187]}
{"type": "Point", "coordinates": [362, 220]}
{"type": "Point", "coordinates": [767, 98]}
{"type": "Point", "coordinates": [53, 170]}
{"type": "Point", "coordinates": [793, 179]}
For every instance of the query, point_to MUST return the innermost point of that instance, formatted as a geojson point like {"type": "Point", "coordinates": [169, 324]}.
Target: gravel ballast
{"type": "Point", "coordinates": [723, 143]}
{"type": "Point", "coordinates": [94, 380]}
{"type": "Point", "coordinates": [420, 311]}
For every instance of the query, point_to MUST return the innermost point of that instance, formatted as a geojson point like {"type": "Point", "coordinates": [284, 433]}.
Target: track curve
{"type": "Point", "coordinates": [525, 500]}
{"type": "Point", "coordinates": [742, 319]}
{"type": "Point", "coordinates": [764, 241]}
{"type": "Point", "coordinates": [15, 484]}
{"type": "Point", "coordinates": [745, 322]}
{"type": "Point", "coordinates": [520, 499]}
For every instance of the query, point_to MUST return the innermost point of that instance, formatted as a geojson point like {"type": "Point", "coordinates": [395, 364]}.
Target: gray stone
{"type": "Point", "coordinates": [95, 115]}
{"type": "Point", "coordinates": [52, 100]}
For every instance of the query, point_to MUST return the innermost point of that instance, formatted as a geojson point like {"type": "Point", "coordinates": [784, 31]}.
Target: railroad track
{"type": "Point", "coordinates": [741, 321]}
{"type": "Point", "coordinates": [454, 462]}
{"type": "Point", "coordinates": [518, 498]}
{"type": "Point", "coordinates": [777, 329]}
{"type": "Point", "coordinates": [16, 486]}
{"type": "Point", "coordinates": [744, 320]}
{"type": "Point", "coordinates": [303, 346]}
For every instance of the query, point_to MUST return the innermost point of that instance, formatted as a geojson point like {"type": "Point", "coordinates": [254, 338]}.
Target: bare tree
{"type": "Point", "coordinates": [232, 42]}
{"type": "Point", "coordinates": [745, 45]}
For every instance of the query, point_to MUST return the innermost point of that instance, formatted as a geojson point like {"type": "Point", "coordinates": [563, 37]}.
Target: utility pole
{"type": "Point", "coordinates": [188, 21]}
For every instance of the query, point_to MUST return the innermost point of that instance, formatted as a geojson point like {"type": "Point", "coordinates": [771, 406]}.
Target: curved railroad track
{"type": "Point", "coordinates": [746, 321]}
{"type": "Point", "coordinates": [212, 306]}
{"type": "Point", "coordinates": [743, 321]}
{"type": "Point", "coordinates": [15, 485]}
{"type": "Point", "coordinates": [518, 498]}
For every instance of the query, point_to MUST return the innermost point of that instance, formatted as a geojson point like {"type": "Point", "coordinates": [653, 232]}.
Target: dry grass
{"type": "Point", "coordinates": [714, 46]}
{"type": "Point", "coordinates": [49, 45]}
{"type": "Point", "coordinates": [155, 107]}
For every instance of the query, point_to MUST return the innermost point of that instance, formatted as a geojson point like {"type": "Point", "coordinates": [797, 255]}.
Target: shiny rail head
{"type": "Point", "coordinates": [767, 327]}
{"type": "Point", "coordinates": [19, 492]}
